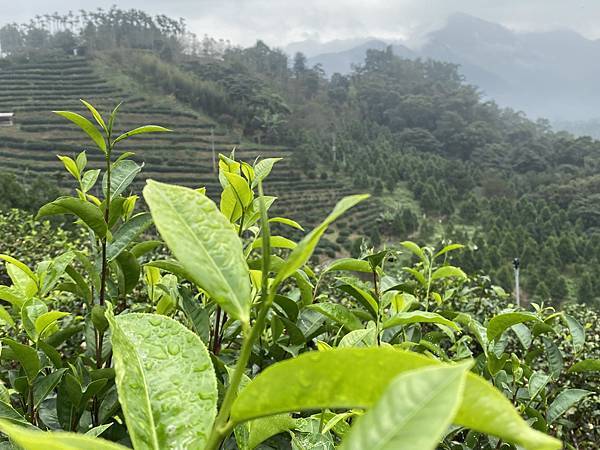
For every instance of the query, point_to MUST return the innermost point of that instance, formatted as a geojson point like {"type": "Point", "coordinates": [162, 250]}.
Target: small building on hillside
{"type": "Point", "coordinates": [7, 119]}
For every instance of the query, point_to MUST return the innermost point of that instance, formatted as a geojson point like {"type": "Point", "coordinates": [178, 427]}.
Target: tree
{"type": "Point", "coordinates": [429, 200]}
{"type": "Point", "coordinates": [585, 290]}
{"type": "Point", "coordinates": [299, 64]}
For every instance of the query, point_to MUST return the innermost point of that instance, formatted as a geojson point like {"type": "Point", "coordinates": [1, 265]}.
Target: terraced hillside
{"type": "Point", "coordinates": [33, 89]}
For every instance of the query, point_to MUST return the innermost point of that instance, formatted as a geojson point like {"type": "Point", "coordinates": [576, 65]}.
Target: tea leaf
{"type": "Point", "coordinates": [28, 439]}
{"type": "Point", "coordinates": [141, 130]}
{"type": "Point", "coordinates": [205, 244]}
{"type": "Point", "coordinates": [157, 361]}
{"type": "Point", "coordinates": [414, 411]}
{"type": "Point", "coordinates": [87, 212]}
{"type": "Point", "coordinates": [307, 245]}
{"type": "Point", "coordinates": [500, 323]}
{"type": "Point", "coordinates": [356, 378]}
{"type": "Point", "coordinates": [404, 318]}
{"type": "Point", "coordinates": [563, 401]}
{"type": "Point", "coordinates": [87, 126]}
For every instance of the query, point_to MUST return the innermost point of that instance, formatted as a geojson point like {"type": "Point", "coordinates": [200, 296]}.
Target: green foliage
{"type": "Point", "coordinates": [187, 221]}
{"type": "Point", "coordinates": [150, 375]}
{"type": "Point", "coordinates": [414, 411]}
{"type": "Point", "coordinates": [231, 330]}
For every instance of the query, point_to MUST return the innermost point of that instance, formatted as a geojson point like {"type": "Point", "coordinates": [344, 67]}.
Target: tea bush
{"type": "Point", "coordinates": [233, 340]}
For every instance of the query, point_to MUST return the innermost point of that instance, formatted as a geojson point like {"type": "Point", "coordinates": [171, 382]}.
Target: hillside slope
{"type": "Point", "coordinates": [33, 89]}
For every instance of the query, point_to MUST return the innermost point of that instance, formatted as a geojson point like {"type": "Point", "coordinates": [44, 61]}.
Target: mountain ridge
{"type": "Point", "coordinates": [548, 74]}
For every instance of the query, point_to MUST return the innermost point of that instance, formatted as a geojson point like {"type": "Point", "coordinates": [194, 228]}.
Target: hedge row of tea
{"type": "Point", "coordinates": [32, 88]}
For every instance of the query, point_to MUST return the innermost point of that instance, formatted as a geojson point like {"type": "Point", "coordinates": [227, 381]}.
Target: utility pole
{"type": "Point", "coordinates": [212, 146]}
{"type": "Point", "coordinates": [334, 149]}
{"type": "Point", "coordinates": [516, 265]}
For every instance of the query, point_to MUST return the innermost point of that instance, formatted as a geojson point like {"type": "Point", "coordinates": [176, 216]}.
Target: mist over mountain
{"type": "Point", "coordinates": [551, 74]}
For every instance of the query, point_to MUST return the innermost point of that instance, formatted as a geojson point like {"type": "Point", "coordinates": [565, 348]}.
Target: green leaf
{"type": "Point", "coordinates": [537, 382]}
{"type": "Point", "coordinates": [240, 188]}
{"type": "Point", "coordinates": [170, 266]}
{"type": "Point", "coordinates": [97, 431]}
{"type": "Point", "coordinates": [165, 379]}
{"type": "Point", "coordinates": [304, 285]}
{"type": "Point", "coordinates": [89, 179]}
{"type": "Point", "coordinates": [356, 378]}
{"type": "Point", "coordinates": [9, 414]}
{"type": "Point", "coordinates": [81, 161]}
{"type": "Point", "coordinates": [127, 233]}
{"type": "Point", "coordinates": [27, 356]}
{"type": "Point", "coordinates": [28, 439]}
{"type": "Point", "coordinates": [338, 313]}
{"type": "Point", "coordinates": [145, 247]}
{"type": "Point", "coordinates": [130, 268]}
{"type": "Point", "coordinates": [123, 156]}
{"type": "Point", "coordinates": [259, 430]}
{"type": "Point", "coordinates": [523, 334]}
{"type": "Point", "coordinates": [262, 169]}
{"type": "Point", "coordinates": [141, 130]}
{"type": "Point", "coordinates": [587, 365]}
{"type": "Point", "coordinates": [70, 165]}
{"type": "Point", "coordinates": [56, 268]}
{"type": "Point", "coordinates": [577, 332]}
{"type": "Point", "coordinates": [205, 244]}
{"type": "Point", "coordinates": [496, 364]}
{"type": "Point", "coordinates": [276, 242]}
{"type": "Point", "coordinates": [286, 221]}
{"type": "Point", "coordinates": [197, 314]}
{"type": "Point", "coordinates": [404, 318]}
{"type": "Point", "coordinates": [47, 320]}
{"type": "Point", "coordinates": [500, 323]}
{"type": "Point", "coordinates": [554, 357]}
{"type": "Point", "coordinates": [563, 401]}
{"type": "Point", "coordinates": [366, 337]}
{"type": "Point", "coordinates": [86, 211]}
{"type": "Point", "coordinates": [121, 176]}
{"type": "Point", "coordinates": [253, 212]}
{"type": "Point", "coordinates": [448, 248]}
{"type": "Point", "coordinates": [414, 248]}
{"type": "Point", "coordinates": [363, 297]}
{"type": "Point", "coordinates": [418, 275]}
{"type": "Point", "coordinates": [32, 309]}
{"type": "Point", "coordinates": [413, 413]}
{"type": "Point", "coordinates": [26, 270]}
{"type": "Point", "coordinates": [307, 245]}
{"type": "Point", "coordinates": [448, 272]}
{"type": "Point", "coordinates": [44, 385]}
{"type": "Point", "coordinates": [6, 318]}
{"type": "Point", "coordinates": [113, 116]}
{"type": "Point", "coordinates": [87, 126]}
{"type": "Point", "coordinates": [12, 296]}
{"type": "Point", "coordinates": [349, 264]}
{"type": "Point", "coordinates": [95, 114]}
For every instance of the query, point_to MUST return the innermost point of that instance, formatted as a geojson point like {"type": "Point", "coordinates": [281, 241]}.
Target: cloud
{"type": "Point", "coordinates": [281, 21]}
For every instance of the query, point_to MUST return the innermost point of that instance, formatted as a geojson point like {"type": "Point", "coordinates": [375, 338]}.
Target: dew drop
{"type": "Point", "coordinates": [173, 348]}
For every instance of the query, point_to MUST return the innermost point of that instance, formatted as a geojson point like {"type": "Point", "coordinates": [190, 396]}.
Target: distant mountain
{"type": "Point", "coordinates": [552, 74]}
{"type": "Point", "coordinates": [547, 74]}
{"type": "Point", "coordinates": [342, 61]}
{"type": "Point", "coordinates": [313, 47]}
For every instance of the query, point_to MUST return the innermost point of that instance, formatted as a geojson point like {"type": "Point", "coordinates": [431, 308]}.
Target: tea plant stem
{"type": "Point", "coordinates": [104, 271]}
{"type": "Point", "coordinates": [106, 219]}
{"type": "Point", "coordinates": [223, 425]}
{"type": "Point", "coordinates": [215, 343]}
{"type": "Point", "coordinates": [30, 408]}
{"type": "Point", "coordinates": [376, 288]}
{"type": "Point", "coordinates": [429, 270]}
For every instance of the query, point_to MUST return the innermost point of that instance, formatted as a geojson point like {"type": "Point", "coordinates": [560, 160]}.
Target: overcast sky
{"type": "Point", "coordinates": [279, 22]}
